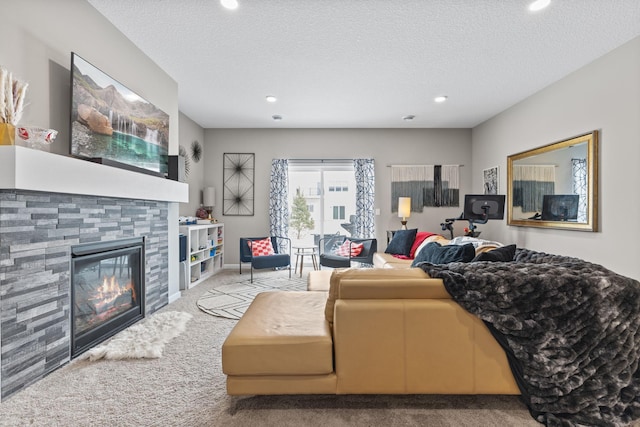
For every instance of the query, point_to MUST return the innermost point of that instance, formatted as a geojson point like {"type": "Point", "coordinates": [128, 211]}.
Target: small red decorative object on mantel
{"type": "Point", "coordinates": [32, 134]}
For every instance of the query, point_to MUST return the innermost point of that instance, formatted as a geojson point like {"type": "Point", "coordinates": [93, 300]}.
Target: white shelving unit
{"type": "Point", "coordinates": [205, 252]}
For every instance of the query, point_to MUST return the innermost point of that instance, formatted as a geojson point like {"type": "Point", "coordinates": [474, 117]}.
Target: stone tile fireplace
{"type": "Point", "coordinates": [73, 204]}
{"type": "Point", "coordinates": [37, 233]}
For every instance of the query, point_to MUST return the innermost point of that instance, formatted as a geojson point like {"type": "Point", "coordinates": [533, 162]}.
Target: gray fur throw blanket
{"type": "Point", "coordinates": [570, 329]}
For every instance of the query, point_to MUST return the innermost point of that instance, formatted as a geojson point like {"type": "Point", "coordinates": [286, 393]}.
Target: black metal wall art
{"type": "Point", "coordinates": [238, 177]}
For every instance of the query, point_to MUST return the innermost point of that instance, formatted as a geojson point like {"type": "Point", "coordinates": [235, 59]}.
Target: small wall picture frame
{"type": "Point", "coordinates": [490, 180]}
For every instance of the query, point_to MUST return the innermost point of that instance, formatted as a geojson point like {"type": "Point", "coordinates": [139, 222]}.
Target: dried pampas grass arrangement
{"type": "Point", "coordinates": [12, 94]}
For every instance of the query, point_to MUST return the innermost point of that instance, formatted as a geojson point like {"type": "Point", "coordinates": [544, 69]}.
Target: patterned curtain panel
{"type": "Point", "coordinates": [427, 185]}
{"type": "Point", "coordinates": [278, 195]}
{"type": "Point", "coordinates": [579, 171]}
{"type": "Point", "coordinates": [530, 183]}
{"type": "Point", "coordinates": [365, 198]}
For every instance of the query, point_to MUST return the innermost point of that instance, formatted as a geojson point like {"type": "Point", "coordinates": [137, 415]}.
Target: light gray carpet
{"type": "Point", "coordinates": [186, 387]}
{"type": "Point", "coordinates": [232, 294]}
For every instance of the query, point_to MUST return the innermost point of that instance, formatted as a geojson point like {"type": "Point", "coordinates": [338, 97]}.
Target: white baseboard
{"type": "Point", "coordinates": [174, 297]}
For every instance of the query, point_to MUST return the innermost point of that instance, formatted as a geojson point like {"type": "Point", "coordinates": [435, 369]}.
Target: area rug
{"type": "Point", "coordinates": [232, 293]}
{"type": "Point", "coordinates": [144, 340]}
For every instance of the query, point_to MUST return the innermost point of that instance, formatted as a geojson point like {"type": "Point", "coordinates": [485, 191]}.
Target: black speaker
{"type": "Point", "coordinates": [183, 247]}
{"type": "Point", "coordinates": [173, 168]}
{"type": "Point", "coordinates": [176, 168]}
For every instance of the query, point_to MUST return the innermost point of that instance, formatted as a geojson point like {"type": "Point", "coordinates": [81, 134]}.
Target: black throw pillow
{"type": "Point", "coordinates": [435, 253]}
{"type": "Point", "coordinates": [501, 254]}
{"type": "Point", "coordinates": [401, 242]}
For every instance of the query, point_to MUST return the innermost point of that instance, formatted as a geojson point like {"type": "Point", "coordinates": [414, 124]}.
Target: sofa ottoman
{"type": "Point", "coordinates": [318, 280]}
{"type": "Point", "coordinates": [282, 342]}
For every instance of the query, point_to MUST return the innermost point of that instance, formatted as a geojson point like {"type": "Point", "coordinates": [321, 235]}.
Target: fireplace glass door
{"type": "Point", "coordinates": [107, 290]}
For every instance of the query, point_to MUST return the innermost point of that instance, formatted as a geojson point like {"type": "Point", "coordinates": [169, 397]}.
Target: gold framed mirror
{"type": "Point", "coordinates": [555, 186]}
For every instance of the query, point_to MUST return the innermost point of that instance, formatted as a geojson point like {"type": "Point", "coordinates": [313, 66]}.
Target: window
{"type": "Point", "coordinates": [339, 186]}
{"type": "Point", "coordinates": [338, 212]}
{"type": "Point", "coordinates": [329, 190]}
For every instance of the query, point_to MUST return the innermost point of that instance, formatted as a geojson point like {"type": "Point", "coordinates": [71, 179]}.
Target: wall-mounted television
{"type": "Point", "coordinates": [113, 125]}
{"type": "Point", "coordinates": [482, 207]}
{"type": "Point", "coordinates": [560, 207]}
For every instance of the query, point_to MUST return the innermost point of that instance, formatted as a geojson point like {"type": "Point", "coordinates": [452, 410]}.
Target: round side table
{"type": "Point", "coordinates": [301, 252]}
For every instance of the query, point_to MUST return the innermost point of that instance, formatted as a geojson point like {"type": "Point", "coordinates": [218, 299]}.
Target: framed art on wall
{"type": "Point", "coordinates": [490, 179]}
{"type": "Point", "coordinates": [238, 177]}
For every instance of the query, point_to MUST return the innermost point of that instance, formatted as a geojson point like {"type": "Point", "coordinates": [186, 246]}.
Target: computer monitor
{"type": "Point", "coordinates": [479, 208]}
{"type": "Point", "coordinates": [560, 207]}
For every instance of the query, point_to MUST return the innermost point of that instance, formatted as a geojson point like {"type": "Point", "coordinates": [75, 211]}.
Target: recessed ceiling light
{"type": "Point", "coordinates": [229, 4]}
{"type": "Point", "coordinates": [408, 118]}
{"type": "Point", "coordinates": [276, 117]}
{"type": "Point", "coordinates": [440, 98]}
{"type": "Point", "coordinates": [539, 5]}
{"type": "Point", "coordinates": [271, 98]}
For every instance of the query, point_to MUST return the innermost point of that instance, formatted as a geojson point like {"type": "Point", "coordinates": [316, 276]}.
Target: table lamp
{"type": "Point", "coordinates": [404, 210]}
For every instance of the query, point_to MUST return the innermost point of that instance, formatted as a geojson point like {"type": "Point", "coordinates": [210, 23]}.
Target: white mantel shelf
{"type": "Point", "coordinates": [23, 168]}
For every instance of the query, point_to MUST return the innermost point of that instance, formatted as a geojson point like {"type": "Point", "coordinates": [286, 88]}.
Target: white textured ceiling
{"type": "Point", "coordinates": [366, 63]}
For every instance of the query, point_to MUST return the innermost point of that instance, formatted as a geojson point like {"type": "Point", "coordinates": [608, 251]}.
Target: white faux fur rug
{"type": "Point", "coordinates": [144, 340]}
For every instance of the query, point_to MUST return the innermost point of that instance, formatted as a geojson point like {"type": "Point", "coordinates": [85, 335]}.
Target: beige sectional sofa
{"type": "Point", "coordinates": [377, 331]}
{"type": "Point", "coordinates": [383, 260]}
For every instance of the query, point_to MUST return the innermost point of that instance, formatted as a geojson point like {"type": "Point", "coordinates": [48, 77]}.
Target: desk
{"type": "Point", "coordinates": [301, 252]}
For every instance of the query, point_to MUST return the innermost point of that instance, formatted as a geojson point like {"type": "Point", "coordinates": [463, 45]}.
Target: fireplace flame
{"type": "Point", "coordinates": [109, 292]}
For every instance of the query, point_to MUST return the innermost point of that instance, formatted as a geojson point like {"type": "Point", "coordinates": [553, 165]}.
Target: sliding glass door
{"type": "Point", "coordinates": [328, 189]}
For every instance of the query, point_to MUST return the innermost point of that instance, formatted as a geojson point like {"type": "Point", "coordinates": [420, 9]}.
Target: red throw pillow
{"type": "Point", "coordinates": [356, 248]}
{"type": "Point", "coordinates": [261, 247]}
{"type": "Point", "coordinates": [420, 236]}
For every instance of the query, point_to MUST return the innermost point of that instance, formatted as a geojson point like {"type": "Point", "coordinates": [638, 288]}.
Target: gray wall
{"type": "Point", "coordinates": [386, 146]}
{"type": "Point", "coordinates": [604, 95]}
{"type": "Point", "coordinates": [37, 47]}
{"type": "Point", "coordinates": [190, 131]}
{"type": "Point", "coordinates": [38, 38]}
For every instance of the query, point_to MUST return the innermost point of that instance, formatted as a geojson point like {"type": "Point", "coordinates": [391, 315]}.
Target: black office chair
{"type": "Point", "coordinates": [265, 261]}
{"type": "Point", "coordinates": [329, 258]}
